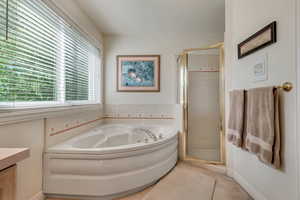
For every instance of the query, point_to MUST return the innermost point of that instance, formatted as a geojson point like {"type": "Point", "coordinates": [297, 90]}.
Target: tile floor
{"type": "Point", "coordinates": [193, 182]}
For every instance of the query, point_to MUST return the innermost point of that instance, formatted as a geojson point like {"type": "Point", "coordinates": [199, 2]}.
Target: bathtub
{"type": "Point", "coordinates": [109, 161]}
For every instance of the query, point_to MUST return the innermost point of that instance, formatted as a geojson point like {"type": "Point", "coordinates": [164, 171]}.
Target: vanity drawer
{"type": "Point", "coordinates": [8, 183]}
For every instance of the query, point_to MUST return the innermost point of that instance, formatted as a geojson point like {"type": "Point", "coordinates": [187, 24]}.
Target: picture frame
{"type": "Point", "coordinates": [261, 39]}
{"type": "Point", "coordinates": [138, 73]}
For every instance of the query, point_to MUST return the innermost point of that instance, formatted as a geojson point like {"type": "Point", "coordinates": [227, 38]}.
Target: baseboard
{"type": "Point", "coordinates": [229, 172]}
{"type": "Point", "coordinates": [248, 187]}
{"type": "Point", "coordinates": [38, 196]}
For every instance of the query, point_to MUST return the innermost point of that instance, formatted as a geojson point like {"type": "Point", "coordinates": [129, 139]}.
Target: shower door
{"type": "Point", "coordinates": [203, 106]}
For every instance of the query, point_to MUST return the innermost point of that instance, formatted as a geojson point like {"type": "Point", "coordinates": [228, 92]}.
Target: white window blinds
{"type": "Point", "coordinates": [44, 60]}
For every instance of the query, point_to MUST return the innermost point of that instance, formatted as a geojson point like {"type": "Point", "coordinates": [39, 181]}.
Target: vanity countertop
{"type": "Point", "coordinates": [10, 156]}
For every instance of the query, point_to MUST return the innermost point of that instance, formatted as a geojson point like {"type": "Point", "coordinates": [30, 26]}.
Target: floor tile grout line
{"type": "Point", "coordinates": [214, 189]}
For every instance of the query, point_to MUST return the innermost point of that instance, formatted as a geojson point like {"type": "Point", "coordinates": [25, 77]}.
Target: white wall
{"type": "Point", "coordinates": [168, 46]}
{"type": "Point", "coordinates": [162, 104]}
{"type": "Point", "coordinates": [71, 8]}
{"type": "Point", "coordinates": [29, 171]}
{"type": "Point", "coordinates": [244, 18]}
{"type": "Point", "coordinates": [31, 133]}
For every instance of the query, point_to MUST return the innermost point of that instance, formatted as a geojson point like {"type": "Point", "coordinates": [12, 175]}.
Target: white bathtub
{"type": "Point", "coordinates": [110, 161]}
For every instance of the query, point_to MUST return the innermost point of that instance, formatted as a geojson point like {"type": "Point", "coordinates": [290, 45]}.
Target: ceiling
{"type": "Point", "coordinates": [147, 17]}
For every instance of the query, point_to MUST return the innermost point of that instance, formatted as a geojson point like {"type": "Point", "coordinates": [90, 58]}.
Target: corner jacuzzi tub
{"type": "Point", "coordinates": [110, 161]}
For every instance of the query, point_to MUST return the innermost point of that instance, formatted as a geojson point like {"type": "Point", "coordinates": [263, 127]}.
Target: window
{"type": "Point", "coordinates": [43, 59]}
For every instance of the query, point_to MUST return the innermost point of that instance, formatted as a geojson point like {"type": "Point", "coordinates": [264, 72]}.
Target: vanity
{"type": "Point", "coordinates": [9, 157]}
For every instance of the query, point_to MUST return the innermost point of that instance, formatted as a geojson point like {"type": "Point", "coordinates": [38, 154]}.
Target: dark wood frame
{"type": "Point", "coordinates": [158, 68]}
{"type": "Point", "coordinates": [271, 26]}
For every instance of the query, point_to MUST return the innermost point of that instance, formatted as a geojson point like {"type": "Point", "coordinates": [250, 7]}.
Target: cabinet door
{"type": "Point", "coordinates": [8, 183]}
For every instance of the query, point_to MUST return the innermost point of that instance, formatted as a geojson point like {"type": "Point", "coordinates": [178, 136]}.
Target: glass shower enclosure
{"type": "Point", "coordinates": [202, 100]}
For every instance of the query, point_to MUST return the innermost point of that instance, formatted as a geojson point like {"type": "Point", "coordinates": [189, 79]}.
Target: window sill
{"type": "Point", "coordinates": [16, 115]}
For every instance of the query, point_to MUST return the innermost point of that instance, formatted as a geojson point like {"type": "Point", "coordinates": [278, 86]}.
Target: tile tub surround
{"type": "Point", "coordinates": [11, 156]}
{"type": "Point", "coordinates": [224, 189]}
{"type": "Point", "coordinates": [140, 111]}
{"type": "Point", "coordinates": [60, 128]}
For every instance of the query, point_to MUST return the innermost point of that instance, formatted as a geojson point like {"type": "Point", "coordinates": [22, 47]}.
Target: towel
{"type": "Point", "coordinates": [263, 128]}
{"type": "Point", "coordinates": [236, 117]}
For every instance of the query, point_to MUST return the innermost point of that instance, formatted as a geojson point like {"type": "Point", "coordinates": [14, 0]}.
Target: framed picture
{"type": "Point", "coordinates": [257, 41]}
{"type": "Point", "coordinates": [139, 73]}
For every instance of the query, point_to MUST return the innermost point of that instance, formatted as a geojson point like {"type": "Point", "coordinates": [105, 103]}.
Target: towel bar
{"type": "Point", "coordinates": [287, 86]}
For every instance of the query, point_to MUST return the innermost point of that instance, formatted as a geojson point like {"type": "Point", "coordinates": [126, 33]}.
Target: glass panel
{"type": "Point", "coordinates": [203, 105]}
{"type": "Point", "coordinates": [76, 67]}
{"type": "Point", "coordinates": [2, 19]}
{"type": "Point", "coordinates": [27, 58]}
{"type": "Point", "coordinates": [44, 58]}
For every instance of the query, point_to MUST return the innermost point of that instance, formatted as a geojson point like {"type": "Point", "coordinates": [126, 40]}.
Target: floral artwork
{"type": "Point", "coordinates": [138, 73]}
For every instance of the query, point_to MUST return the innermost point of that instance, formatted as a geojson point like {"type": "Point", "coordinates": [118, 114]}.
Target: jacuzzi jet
{"type": "Point", "coordinates": [148, 132]}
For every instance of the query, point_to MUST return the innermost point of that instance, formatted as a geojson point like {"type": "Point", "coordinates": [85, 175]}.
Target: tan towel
{"type": "Point", "coordinates": [263, 130]}
{"type": "Point", "coordinates": [236, 117]}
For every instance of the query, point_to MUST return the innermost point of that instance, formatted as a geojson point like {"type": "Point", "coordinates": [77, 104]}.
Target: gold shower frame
{"type": "Point", "coordinates": [183, 62]}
